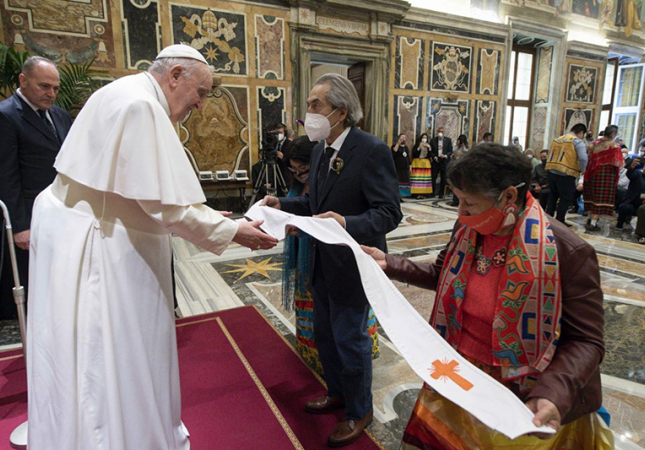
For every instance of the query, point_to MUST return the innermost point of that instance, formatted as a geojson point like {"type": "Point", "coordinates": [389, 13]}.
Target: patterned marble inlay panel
{"type": "Point", "coordinates": [451, 67]}
{"type": "Point", "coordinates": [407, 116]}
{"type": "Point", "coordinates": [574, 116]}
{"type": "Point", "coordinates": [271, 109]}
{"type": "Point", "coordinates": [141, 32]}
{"type": "Point", "coordinates": [452, 117]}
{"type": "Point", "coordinates": [409, 63]}
{"type": "Point", "coordinates": [219, 35]}
{"type": "Point", "coordinates": [544, 75]}
{"type": "Point", "coordinates": [64, 16]}
{"type": "Point", "coordinates": [269, 47]}
{"type": "Point", "coordinates": [484, 119]}
{"type": "Point", "coordinates": [539, 128]}
{"type": "Point", "coordinates": [61, 30]}
{"type": "Point", "coordinates": [581, 84]}
{"type": "Point", "coordinates": [218, 134]}
{"type": "Point", "coordinates": [489, 70]}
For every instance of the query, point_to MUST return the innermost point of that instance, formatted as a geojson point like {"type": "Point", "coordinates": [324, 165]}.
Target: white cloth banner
{"type": "Point", "coordinates": [427, 353]}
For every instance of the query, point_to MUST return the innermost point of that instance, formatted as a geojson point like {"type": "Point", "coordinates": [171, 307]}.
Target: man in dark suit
{"type": "Point", "coordinates": [284, 144]}
{"type": "Point", "coordinates": [353, 181]}
{"type": "Point", "coordinates": [440, 149]}
{"type": "Point", "coordinates": [32, 130]}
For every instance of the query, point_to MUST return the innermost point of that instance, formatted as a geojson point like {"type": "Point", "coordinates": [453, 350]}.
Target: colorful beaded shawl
{"type": "Point", "coordinates": [526, 326]}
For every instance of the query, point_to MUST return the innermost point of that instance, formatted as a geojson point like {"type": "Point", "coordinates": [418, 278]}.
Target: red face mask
{"type": "Point", "coordinates": [493, 219]}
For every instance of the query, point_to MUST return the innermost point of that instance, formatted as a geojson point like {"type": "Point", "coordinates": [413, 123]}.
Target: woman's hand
{"type": "Point", "coordinates": [377, 255]}
{"type": "Point", "coordinates": [546, 413]}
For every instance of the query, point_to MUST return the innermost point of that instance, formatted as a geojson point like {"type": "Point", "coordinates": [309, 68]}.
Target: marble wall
{"type": "Point", "coordinates": [544, 67]}
{"type": "Point", "coordinates": [583, 83]}
{"type": "Point", "coordinates": [218, 35]}
{"type": "Point", "coordinates": [408, 117]}
{"type": "Point", "coordinates": [270, 36]}
{"type": "Point", "coordinates": [539, 140]}
{"type": "Point", "coordinates": [218, 135]}
{"type": "Point", "coordinates": [488, 74]}
{"type": "Point", "coordinates": [484, 118]}
{"type": "Point", "coordinates": [76, 33]}
{"type": "Point", "coordinates": [247, 46]}
{"type": "Point", "coordinates": [463, 84]}
{"type": "Point", "coordinates": [141, 30]}
{"type": "Point", "coordinates": [409, 62]}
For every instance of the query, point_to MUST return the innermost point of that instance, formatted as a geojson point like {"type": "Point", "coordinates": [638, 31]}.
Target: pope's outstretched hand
{"type": "Point", "coordinates": [249, 235]}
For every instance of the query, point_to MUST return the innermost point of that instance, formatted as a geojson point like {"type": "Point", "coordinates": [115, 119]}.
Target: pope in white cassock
{"type": "Point", "coordinates": [102, 353]}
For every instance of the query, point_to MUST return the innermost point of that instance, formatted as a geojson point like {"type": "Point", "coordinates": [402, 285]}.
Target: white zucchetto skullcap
{"type": "Point", "coordinates": [181, 51]}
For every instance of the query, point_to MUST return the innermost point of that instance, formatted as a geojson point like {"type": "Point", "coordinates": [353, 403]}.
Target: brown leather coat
{"type": "Point", "coordinates": [572, 380]}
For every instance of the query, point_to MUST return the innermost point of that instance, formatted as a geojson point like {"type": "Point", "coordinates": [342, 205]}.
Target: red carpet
{"type": "Point", "coordinates": [227, 403]}
{"type": "Point", "coordinates": [13, 394]}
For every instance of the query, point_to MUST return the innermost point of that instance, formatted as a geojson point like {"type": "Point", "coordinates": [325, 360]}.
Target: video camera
{"type": "Point", "coordinates": [268, 152]}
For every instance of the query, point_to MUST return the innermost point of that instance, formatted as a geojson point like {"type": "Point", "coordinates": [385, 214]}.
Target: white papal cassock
{"type": "Point", "coordinates": [102, 353]}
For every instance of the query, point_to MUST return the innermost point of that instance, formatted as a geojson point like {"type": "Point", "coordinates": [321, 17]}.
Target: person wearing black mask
{"type": "Point", "coordinates": [539, 183]}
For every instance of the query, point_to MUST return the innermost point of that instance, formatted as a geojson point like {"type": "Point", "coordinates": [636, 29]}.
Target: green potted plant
{"type": "Point", "coordinates": [76, 80]}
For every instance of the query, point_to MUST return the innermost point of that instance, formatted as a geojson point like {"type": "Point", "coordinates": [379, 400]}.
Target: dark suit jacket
{"type": "Point", "coordinates": [447, 149]}
{"type": "Point", "coordinates": [636, 186]}
{"type": "Point", "coordinates": [28, 149]}
{"type": "Point", "coordinates": [365, 192]}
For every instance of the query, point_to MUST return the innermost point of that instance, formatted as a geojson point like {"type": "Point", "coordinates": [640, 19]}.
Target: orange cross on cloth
{"type": "Point", "coordinates": [448, 369]}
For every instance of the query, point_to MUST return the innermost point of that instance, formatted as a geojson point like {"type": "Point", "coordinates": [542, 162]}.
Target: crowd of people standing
{"type": "Point", "coordinates": [576, 174]}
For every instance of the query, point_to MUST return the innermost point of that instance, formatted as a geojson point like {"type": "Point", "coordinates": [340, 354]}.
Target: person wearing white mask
{"type": "Point", "coordinates": [421, 169]}
{"type": "Point", "coordinates": [352, 180]}
{"type": "Point", "coordinates": [284, 145]}
{"type": "Point", "coordinates": [441, 149]}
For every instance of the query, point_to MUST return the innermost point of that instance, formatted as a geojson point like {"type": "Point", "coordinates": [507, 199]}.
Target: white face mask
{"type": "Point", "coordinates": [440, 135]}
{"type": "Point", "coordinates": [424, 140]}
{"type": "Point", "coordinates": [530, 156]}
{"type": "Point", "coordinates": [317, 126]}
{"type": "Point", "coordinates": [280, 137]}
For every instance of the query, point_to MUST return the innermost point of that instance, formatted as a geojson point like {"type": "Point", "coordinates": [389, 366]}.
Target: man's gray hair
{"type": "Point", "coordinates": [31, 62]}
{"type": "Point", "coordinates": [343, 95]}
{"type": "Point", "coordinates": [162, 66]}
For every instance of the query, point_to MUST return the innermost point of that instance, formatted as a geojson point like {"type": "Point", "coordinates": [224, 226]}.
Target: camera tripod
{"type": "Point", "coordinates": [277, 186]}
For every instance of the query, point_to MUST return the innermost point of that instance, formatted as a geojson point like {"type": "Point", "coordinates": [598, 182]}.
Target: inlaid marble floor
{"type": "Point", "coordinates": [207, 282]}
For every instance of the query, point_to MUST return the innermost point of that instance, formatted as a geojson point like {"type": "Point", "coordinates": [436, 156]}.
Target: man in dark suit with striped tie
{"type": "Point", "coordinates": [32, 130]}
{"type": "Point", "coordinates": [352, 180]}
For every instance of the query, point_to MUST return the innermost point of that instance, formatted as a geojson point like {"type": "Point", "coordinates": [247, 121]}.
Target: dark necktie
{"type": "Point", "coordinates": [323, 170]}
{"type": "Point", "coordinates": [43, 116]}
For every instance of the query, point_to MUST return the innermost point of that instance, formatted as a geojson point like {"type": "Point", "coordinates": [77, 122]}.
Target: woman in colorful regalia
{"type": "Point", "coordinates": [421, 173]}
{"type": "Point", "coordinates": [601, 177]}
{"type": "Point", "coordinates": [519, 296]}
{"type": "Point", "coordinates": [296, 264]}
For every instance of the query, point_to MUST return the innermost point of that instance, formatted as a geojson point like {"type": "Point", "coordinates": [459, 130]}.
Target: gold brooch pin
{"type": "Point", "coordinates": [337, 165]}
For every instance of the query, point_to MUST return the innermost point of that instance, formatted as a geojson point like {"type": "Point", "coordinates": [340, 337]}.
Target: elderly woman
{"type": "Point", "coordinates": [503, 303]}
